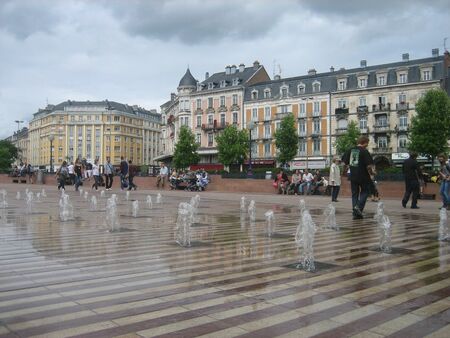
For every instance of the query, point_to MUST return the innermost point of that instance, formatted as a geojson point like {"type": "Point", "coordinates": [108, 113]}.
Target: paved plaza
{"type": "Point", "coordinates": [77, 279]}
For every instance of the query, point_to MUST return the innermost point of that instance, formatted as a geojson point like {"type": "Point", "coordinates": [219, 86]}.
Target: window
{"type": "Point", "coordinates": [254, 149]}
{"type": "Point", "coordinates": [223, 84]}
{"type": "Point", "coordinates": [210, 139]}
{"type": "Point", "coordinates": [381, 80]}
{"type": "Point", "coordinates": [117, 138]}
{"type": "Point", "coordinates": [382, 142]}
{"type": "Point", "coordinates": [222, 101]}
{"type": "Point", "coordinates": [302, 127]}
{"type": "Point", "coordinates": [301, 89]}
{"type": "Point", "coordinates": [210, 85]}
{"type": "Point", "coordinates": [235, 99]}
{"type": "Point", "coordinates": [285, 109]}
{"type": "Point", "coordinates": [80, 118]}
{"type": "Point", "coordinates": [199, 121]}
{"type": "Point", "coordinates": [342, 85]}
{"type": "Point", "coordinates": [267, 113]}
{"type": "Point", "coordinates": [210, 102]}
{"type": "Point", "coordinates": [342, 103]}
{"type": "Point", "coordinates": [116, 118]}
{"type": "Point", "coordinates": [402, 141]}
{"type": "Point", "coordinates": [235, 118]}
{"type": "Point", "coordinates": [316, 125]}
{"type": "Point", "coordinates": [403, 121]}
{"type": "Point", "coordinates": [198, 138]}
{"type": "Point", "coordinates": [402, 78]}
{"type": "Point", "coordinates": [267, 149]}
{"type": "Point", "coordinates": [267, 133]}
{"type": "Point", "coordinates": [362, 101]}
{"type": "Point", "coordinates": [402, 98]}
{"type": "Point", "coordinates": [316, 107]}
{"type": "Point", "coordinates": [255, 114]}
{"type": "Point", "coordinates": [382, 100]}
{"type": "Point", "coordinates": [254, 95]}
{"type": "Point", "coordinates": [222, 119]}
{"type": "Point", "coordinates": [426, 75]}
{"type": "Point", "coordinates": [302, 109]}
{"type": "Point", "coordinates": [302, 147]}
{"type": "Point", "coordinates": [199, 104]}
{"type": "Point", "coordinates": [235, 82]}
{"type": "Point", "coordinates": [316, 145]}
{"type": "Point", "coordinates": [277, 125]}
{"type": "Point", "coordinates": [363, 123]}
{"type": "Point", "coordinates": [284, 92]}
{"type": "Point", "coordinates": [362, 83]}
{"type": "Point", "coordinates": [267, 94]}
{"type": "Point", "coordinates": [316, 86]}
{"type": "Point", "coordinates": [116, 128]}
{"type": "Point", "coordinates": [210, 119]}
{"type": "Point", "coordinates": [381, 121]}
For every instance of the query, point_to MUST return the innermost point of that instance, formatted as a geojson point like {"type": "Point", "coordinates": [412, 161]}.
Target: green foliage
{"type": "Point", "coordinates": [8, 153]}
{"type": "Point", "coordinates": [185, 152]}
{"type": "Point", "coordinates": [144, 169]}
{"type": "Point", "coordinates": [232, 145]}
{"type": "Point", "coordinates": [347, 140]}
{"type": "Point", "coordinates": [430, 128]}
{"type": "Point", "coordinates": [286, 139]}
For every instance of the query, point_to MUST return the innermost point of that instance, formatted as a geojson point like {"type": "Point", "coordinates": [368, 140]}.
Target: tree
{"type": "Point", "coordinates": [8, 154]}
{"type": "Point", "coordinates": [430, 128]}
{"type": "Point", "coordinates": [232, 145]}
{"type": "Point", "coordinates": [286, 139]}
{"type": "Point", "coordinates": [185, 152]}
{"type": "Point", "coordinates": [347, 140]}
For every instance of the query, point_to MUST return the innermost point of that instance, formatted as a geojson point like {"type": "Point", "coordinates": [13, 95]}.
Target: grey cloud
{"type": "Point", "coordinates": [197, 21]}
{"type": "Point", "coordinates": [24, 18]}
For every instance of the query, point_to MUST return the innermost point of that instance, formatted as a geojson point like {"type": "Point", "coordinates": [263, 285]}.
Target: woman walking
{"type": "Point", "coordinates": [78, 173]}
{"type": "Point", "coordinates": [62, 174]}
{"type": "Point", "coordinates": [335, 179]}
{"type": "Point", "coordinates": [96, 174]}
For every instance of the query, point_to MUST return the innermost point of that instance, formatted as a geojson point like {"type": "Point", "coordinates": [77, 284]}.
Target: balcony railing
{"type": "Point", "coordinates": [340, 131]}
{"type": "Point", "coordinates": [339, 111]}
{"type": "Point", "coordinates": [382, 150]}
{"type": "Point", "coordinates": [316, 113]}
{"type": "Point", "coordinates": [362, 109]}
{"type": "Point", "coordinates": [381, 107]}
{"type": "Point", "coordinates": [214, 126]}
{"type": "Point", "coordinates": [381, 128]}
{"type": "Point", "coordinates": [402, 128]}
{"type": "Point", "coordinates": [302, 133]}
{"type": "Point", "coordinates": [315, 133]}
{"type": "Point", "coordinates": [364, 130]}
{"type": "Point", "coordinates": [402, 106]}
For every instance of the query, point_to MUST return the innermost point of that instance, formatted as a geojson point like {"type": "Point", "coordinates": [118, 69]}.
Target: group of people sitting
{"type": "Point", "coordinates": [189, 180]}
{"type": "Point", "coordinates": [300, 183]}
{"type": "Point", "coordinates": [23, 170]}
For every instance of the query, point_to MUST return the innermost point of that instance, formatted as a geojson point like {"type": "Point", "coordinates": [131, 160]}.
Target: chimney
{"type": "Point", "coordinates": [405, 57]}
{"type": "Point", "coordinates": [312, 71]}
{"type": "Point", "coordinates": [206, 75]}
{"type": "Point", "coordinates": [435, 52]}
{"type": "Point", "coordinates": [363, 63]}
{"type": "Point", "coordinates": [227, 70]}
{"type": "Point", "coordinates": [277, 77]}
{"type": "Point", "coordinates": [331, 69]}
{"type": "Point", "coordinates": [256, 65]}
{"type": "Point", "coordinates": [241, 68]}
{"type": "Point", "coordinates": [233, 69]}
{"type": "Point", "coordinates": [172, 96]}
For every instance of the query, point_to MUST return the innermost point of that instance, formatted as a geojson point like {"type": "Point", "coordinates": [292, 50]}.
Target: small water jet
{"type": "Point", "coordinates": [93, 205]}
{"type": "Point", "coordinates": [102, 193]}
{"type": "Point", "coordinates": [183, 226]}
{"type": "Point", "coordinates": [112, 219]}
{"type": "Point", "coordinates": [304, 238]}
{"type": "Point", "coordinates": [330, 217]}
{"type": "Point", "coordinates": [252, 211]}
{"type": "Point", "coordinates": [158, 199]}
{"type": "Point", "coordinates": [18, 197]}
{"type": "Point", "coordinates": [379, 213]}
{"type": "Point", "coordinates": [243, 206]}
{"type": "Point", "coordinates": [65, 208]}
{"type": "Point", "coordinates": [38, 197]}
{"type": "Point", "coordinates": [302, 207]}
{"type": "Point", "coordinates": [86, 195]}
{"type": "Point", "coordinates": [385, 232]}
{"type": "Point", "coordinates": [3, 202]}
{"type": "Point", "coordinates": [127, 196]}
{"type": "Point", "coordinates": [443, 225]}
{"type": "Point", "coordinates": [43, 193]}
{"type": "Point", "coordinates": [270, 223]}
{"type": "Point", "coordinates": [135, 208]}
{"type": "Point", "coordinates": [81, 192]}
{"type": "Point", "coordinates": [149, 202]}
{"type": "Point", "coordinates": [29, 199]}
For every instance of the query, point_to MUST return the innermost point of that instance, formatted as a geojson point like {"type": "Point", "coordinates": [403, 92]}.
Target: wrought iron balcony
{"type": "Point", "coordinates": [316, 133]}
{"type": "Point", "coordinates": [384, 128]}
{"type": "Point", "coordinates": [302, 134]}
{"type": "Point", "coordinates": [364, 130]}
{"type": "Point", "coordinates": [387, 150]}
{"type": "Point", "coordinates": [402, 128]}
{"type": "Point", "coordinates": [402, 106]}
{"type": "Point", "coordinates": [341, 111]}
{"type": "Point", "coordinates": [214, 126]}
{"type": "Point", "coordinates": [362, 109]}
{"type": "Point", "coordinates": [340, 131]}
{"type": "Point", "coordinates": [381, 107]}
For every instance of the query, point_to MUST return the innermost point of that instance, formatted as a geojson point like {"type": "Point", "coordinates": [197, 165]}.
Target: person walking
{"type": "Point", "coordinates": [361, 168]}
{"type": "Point", "coordinates": [131, 173]}
{"type": "Point", "coordinates": [96, 175]}
{"type": "Point", "coordinates": [335, 179]}
{"type": "Point", "coordinates": [123, 173]}
{"type": "Point", "coordinates": [411, 174]}
{"type": "Point", "coordinates": [62, 174]}
{"type": "Point", "coordinates": [77, 168]}
{"type": "Point", "coordinates": [444, 176]}
{"type": "Point", "coordinates": [109, 174]}
{"type": "Point", "coordinates": [70, 168]}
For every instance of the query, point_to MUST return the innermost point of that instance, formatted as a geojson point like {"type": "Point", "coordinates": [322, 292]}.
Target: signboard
{"type": "Point", "coordinates": [405, 156]}
{"type": "Point", "coordinates": [308, 164]}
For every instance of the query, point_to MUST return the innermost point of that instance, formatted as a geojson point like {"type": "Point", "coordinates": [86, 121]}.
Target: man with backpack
{"type": "Point", "coordinates": [123, 173]}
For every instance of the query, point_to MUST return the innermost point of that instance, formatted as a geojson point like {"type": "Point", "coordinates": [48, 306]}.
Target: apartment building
{"type": "Point", "coordinates": [94, 130]}
{"type": "Point", "coordinates": [22, 143]}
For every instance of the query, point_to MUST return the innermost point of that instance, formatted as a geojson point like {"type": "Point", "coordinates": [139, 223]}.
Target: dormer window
{"type": "Point", "coordinates": [199, 86]}
{"type": "Point", "coordinates": [235, 81]}
{"type": "Point", "coordinates": [223, 84]}
{"type": "Point", "coordinates": [342, 84]}
{"type": "Point", "coordinates": [362, 82]}
{"type": "Point", "coordinates": [425, 73]}
{"type": "Point", "coordinates": [284, 91]}
{"type": "Point", "coordinates": [254, 95]}
{"type": "Point", "coordinates": [316, 86]}
{"type": "Point", "coordinates": [267, 93]}
{"type": "Point", "coordinates": [301, 88]}
{"type": "Point", "coordinates": [210, 85]}
{"type": "Point", "coordinates": [402, 76]}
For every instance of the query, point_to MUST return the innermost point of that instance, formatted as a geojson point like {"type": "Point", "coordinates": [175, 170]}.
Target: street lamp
{"type": "Point", "coordinates": [18, 126]}
{"type": "Point", "coordinates": [51, 138]}
{"type": "Point", "coordinates": [109, 109]}
{"type": "Point", "coordinates": [250, 126]}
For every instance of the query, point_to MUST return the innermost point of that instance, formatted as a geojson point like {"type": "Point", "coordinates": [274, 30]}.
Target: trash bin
{"type": "Point", "coordinates": [40, 177]}
{"type": "Point", "coordinates": [268, 175]}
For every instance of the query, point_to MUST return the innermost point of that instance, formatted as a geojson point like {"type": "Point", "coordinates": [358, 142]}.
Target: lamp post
{"type": "Point", "coordinates": [109, 109]}
{"type": "Point", "coordinates": [250, 126]}
{"type": "Point", "coordinates": [51, 138]}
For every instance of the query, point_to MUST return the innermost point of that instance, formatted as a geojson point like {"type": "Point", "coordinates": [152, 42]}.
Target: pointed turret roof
{"type": "Point", "coordinates": [188, 80]}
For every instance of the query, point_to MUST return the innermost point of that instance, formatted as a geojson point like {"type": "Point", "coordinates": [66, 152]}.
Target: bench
{"type": "Point", "coordinates": [19, 180]}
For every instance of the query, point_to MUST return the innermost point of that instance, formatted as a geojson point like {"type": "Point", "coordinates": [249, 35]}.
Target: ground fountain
{"type": "Point", "coordinates": [385, 232]}
{"type": "Point", "coordinates": [183, 226]}
{"type": "Point", "coordinates": [93, 205]}
{"type": "Point", "coordinates": [443, 225]}
{"type": "Point", "coordinates": [270, 223]}
{"type": "Point", "coordinates": [304, 239]}
{"type": "Point", "coordinates": [81, 192]}
{"type": "Point", "coordinates": [252, 211]}
{"type": "Point", "coordinates": [18, 196]}
{"type": "Point", "coordinates": [330, 217]}
{"type": "Point", "coordinates": [302, 207]}
{"type": "Point", "coordinates": [112, 219]}
{"type": "Point", "coordinates": [3, 202]}
{"type": "Point", "coordinates": [65, 208]}
{"type": "Point", "coordinates": [243, 206]}
{"type": "Point", "coordinates": [135, 208]}
{"type": "Point", "coordinates": [102, 193]}
{"type": "Point", "coordinates": [26, 192]}
{"type": "Point", "coordinates": [43, 193]}
{"type": "Point", "coordinates": [86, 195]}
{"type": "Point", "coordinates": [29, 199]}
{"type": "Point", "coordinates": [379, 213]}
{"type": "Point", "coordinates": [158, 199]}
{"type": "Point", "coordinates": [149, 202]}
{"type": "Point", "coordinates": [195, 202]}
{"type": "Point", "coordinates": [127, 196]}
{"type": "Point", "coordinates": [38, 197]}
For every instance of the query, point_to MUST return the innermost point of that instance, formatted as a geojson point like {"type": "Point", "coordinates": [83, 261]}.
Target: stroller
{"type": "Point", "coordinates": [202, 182]}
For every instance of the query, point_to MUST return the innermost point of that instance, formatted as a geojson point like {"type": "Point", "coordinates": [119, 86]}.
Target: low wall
{"type": "Point", "coordinates": [387, 189]}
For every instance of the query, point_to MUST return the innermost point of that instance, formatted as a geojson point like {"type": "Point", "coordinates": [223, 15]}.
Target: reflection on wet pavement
{"type": "Point", "coordinates": [75, 278]}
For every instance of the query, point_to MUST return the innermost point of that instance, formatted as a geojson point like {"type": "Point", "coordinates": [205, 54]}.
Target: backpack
{"type": "Point", "coordinates": [63, 172]}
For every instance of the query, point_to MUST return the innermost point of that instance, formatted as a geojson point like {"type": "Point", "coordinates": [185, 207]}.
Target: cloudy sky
{"type": "Point", "coordinates": [136, 51]}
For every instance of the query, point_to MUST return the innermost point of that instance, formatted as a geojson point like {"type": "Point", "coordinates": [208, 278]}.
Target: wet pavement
{"type": "Point", "coordinates": [75, 278]}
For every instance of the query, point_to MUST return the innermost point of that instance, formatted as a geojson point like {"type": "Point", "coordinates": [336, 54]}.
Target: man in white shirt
{"type": "Point", "coordinates": [307, 181]}
{"type": "Point", "coordinates": [70, 169]}
{"type": "Point", "coordinates": [161, 178]}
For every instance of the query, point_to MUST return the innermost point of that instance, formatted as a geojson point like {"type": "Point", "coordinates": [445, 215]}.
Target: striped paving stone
{"type": "Point", "coordinates": [64, 279]}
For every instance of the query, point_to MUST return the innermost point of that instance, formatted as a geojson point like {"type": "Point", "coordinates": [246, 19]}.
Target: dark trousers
{"type": "Point", "coordinates": [414, 188]}
{"type": "Point", "coordinates": [96, 182]}
{"type": "Point", "coordinates": [62, 182]}
{"type": "Point", "coordinates": [335, 192]}
{"type": "Point", "coordinates": [108, 181]}
{"type": "Point", "coordinates": [360, 192]}
{"type": "Point", "coordinates": [131, 185]}
{"type": "Point", "coordinates": [77, 182]}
